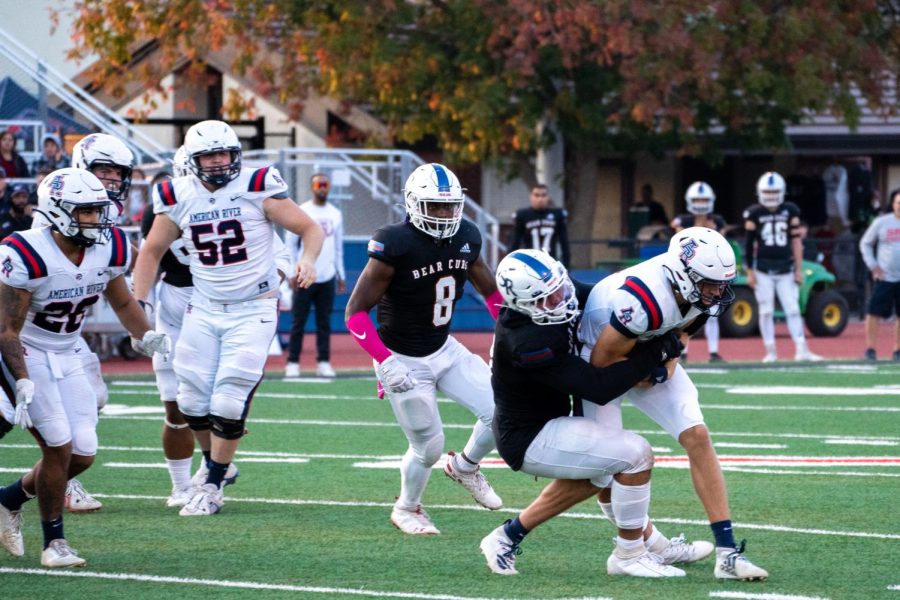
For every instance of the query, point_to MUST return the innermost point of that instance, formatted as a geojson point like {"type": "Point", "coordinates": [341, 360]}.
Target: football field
{"type": "Point", "coordinates": [811, 454]}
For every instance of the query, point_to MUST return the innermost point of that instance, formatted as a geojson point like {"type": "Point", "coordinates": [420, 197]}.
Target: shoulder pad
{"type": "Point", "coordinates": [36, 266]}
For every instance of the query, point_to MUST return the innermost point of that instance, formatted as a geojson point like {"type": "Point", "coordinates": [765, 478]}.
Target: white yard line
{"type": "Point", "coordinates": [515, 511]}
{"type": "Point", "coordinates": [248, 585]}
{"type": "Point", "coordinates": [807, 390]}
{"type": "Point", "coordinates": [744, 445]}
{"type": "Point", "coordinates": [766, 471]}
{"type": "Point", "coordinates": [861, 442]}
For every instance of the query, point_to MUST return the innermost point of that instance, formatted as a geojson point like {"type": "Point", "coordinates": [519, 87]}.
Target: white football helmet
{"type": "Point", "coordinates": [65, 190]}
{"type": "Point", "coordinates": [534, 283]}
{"type": "Point", "coordinates": [208, 137]}
{"type": "Point", "coordinates": [100, 148]}
{"type": "Point", "coordinates": [698, 255]}
{"type": "Point", "coordinates": [429, 185]}
{"type": "Point", "coordinates": [770, 189]}
{"type": "Point", "coordinates": [180, 163]}
{"type": "Point", "coordinates": [700, 198]}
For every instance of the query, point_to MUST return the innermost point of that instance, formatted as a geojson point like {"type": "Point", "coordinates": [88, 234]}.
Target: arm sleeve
{"type": "Point", "coordinates": [563, 226]}
{"type": "Point", "coordinates": [867, 244]}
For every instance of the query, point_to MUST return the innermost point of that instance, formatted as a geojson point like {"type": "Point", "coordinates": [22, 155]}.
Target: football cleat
{"type": "Point", "coordinates": [715, 357]}
{"type": "Point", "coordinates": [292, 369]}
{"type": "Point", "coordinates": [770, 357]}
{"type": "Point", "coordinates": [413, 521]}
{"type": "Point", "coordinates": [324, 369]}
{"type": "Point", "coordinates": [208, 500]}
{"type": "Point", "coordinates": [11, 531]}
{"type": "Point", "coordinates": [643, 565]}
{"type": "Point", "coordinates": [500, 552]}
{"type": "Point", "coordinates": [681, 551]}
{"type": "Point", "coordinates": [806, 355]}
{"type": "Point", "coordinates": [476, 483]}
{"type": "Point", "coordinates": [200, 476]}
{"type": "Point", "coordinates": [732, 564]}
{"type": "Point", "coordinates": [59, 554]}
{"type": "Point", "coordinates": [180, 496]}
{"type": "Point", "coordinates": [78, 500]}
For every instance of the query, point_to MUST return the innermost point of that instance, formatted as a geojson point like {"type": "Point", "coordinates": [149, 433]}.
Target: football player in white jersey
{"type": "Point", "coordinates": [112, 162]}
{"type": "Point", "coordinates": [50, 277]}
{"type": "Point", "coordinates": [676, 291]}
{"type": "Point", "coordinates": [224, 214]}
{"type": "Point", "coordinates": [172, 293]}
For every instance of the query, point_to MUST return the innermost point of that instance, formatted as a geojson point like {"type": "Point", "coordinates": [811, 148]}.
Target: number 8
{"type": "Point", "coordinates": [444, 292]}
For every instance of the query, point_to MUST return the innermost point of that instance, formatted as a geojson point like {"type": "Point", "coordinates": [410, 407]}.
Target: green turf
{"type": "Point", "coordinates": [347, 546]}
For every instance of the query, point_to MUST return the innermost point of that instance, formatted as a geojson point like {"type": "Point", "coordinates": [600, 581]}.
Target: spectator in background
{"type": "Point", "coordinates": [657, 214]}
{"type": "Point", "coordinates": [329, 270]}
{"type": "Point", "coordinates": [541, 227]}
{"type": "Point", "coordinates": [53, 155]}
{"type": "Point", "coordinates": [11, 161]}
{"type": "Point", "coordinates": [4, 188]}
{"type": "Point", "coordinates": [137, 197]}
{"type": "Point", "coordinates": [38, 178]}
{"type": "Point", "coordinates": [18, 216]}
{"type": "Point", "coordinates": [883, 233]}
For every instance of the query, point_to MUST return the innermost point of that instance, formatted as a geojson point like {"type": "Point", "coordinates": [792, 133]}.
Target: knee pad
{"type": "Point", "coordinates": [641, 455]}
{"type": "Point", "coordinates": [191, 399]}
{"type": "Point", "coordinates": [198, 423]}
{"type": "Point", "coordinates": [228, 429]}
{"type": "Point", "coordinates": [429, 451]}
{"type": "Point", "coordinates": [232, 397]}
{"type": "Point", "coordinates": [166, 381]}
{"type": "Point", "coordinates": [84, 440]}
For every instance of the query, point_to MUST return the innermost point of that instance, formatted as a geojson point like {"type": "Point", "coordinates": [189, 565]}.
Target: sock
{"type": "Point", "coordinates": [462, 464]}
{"type": "Point", "coordinates": [216, 473]}
{"type": "Point", "coordinates": [14, 496]}
{"type": "Point", "coordinates": [723, 534]}
{"type": "Point", "coordinates": [657, 542]}
{"type": "Point", "coordinates": [515, 531]}
{"type": "Point", "coordinates": [207, 457]}
{"type": "Point", "coordinates": [53, 530]}
{"type": "Point", "coordinates": [629, 548]}
{"type": "Point", "coordinates": [413, 479]}
{"type": "Point", "coordinates": [179, 472]}
{"type": "Point", "coordinates": [480, 443]}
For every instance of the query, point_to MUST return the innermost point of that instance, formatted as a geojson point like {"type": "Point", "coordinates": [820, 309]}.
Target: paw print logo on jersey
{"type": "Point", "coordinates": [626, 315]}
{"type": "Point", "coordinates": [7, 266]}
{"type": "Point", "coordinates": [688, 250]}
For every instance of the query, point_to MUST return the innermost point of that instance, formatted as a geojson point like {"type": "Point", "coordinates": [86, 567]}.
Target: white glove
{"type": "Point", "coordinates": [394, 376]}
{"type": "Point", "coordinates": [24, 396]}
{"type": "Point", "coordinates": [153, 342]}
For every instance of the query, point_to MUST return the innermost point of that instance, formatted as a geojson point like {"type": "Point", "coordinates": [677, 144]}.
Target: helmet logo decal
{"type": "Point", "coordinates": [507, 284]}
{"type": "Point", "coordinates": [57, 183]}
{"type": "Point", "coordinates": [443, 181]}
{"type": "Point", "coordinates": [537, 266]}
{"type": "Point", "coordinates": [688, 250]}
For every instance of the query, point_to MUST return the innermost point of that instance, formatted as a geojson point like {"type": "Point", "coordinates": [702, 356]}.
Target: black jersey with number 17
{"type": "Point", "coordinates": [415, 312]}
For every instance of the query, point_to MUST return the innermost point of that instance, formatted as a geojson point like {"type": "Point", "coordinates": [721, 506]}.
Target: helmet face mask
{"type": "Point", "coordinates": [213, 137]}
{"type": "Point", "coordinates": [434, 201]}
{"type": "Point", "coordinates": [701, 265]}
{"type": "Point", "coordinates": [97, 150]}
{"type": "Point", "coordinates": [65, 194]}
{"type": "Point", "coordinates": [534, 283]}
{"type": "Point", "coordinates": [770, 190]}
{"type": "Point", "coordinates": [700, 198]}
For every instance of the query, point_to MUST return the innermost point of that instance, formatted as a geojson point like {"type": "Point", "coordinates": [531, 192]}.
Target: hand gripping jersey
{"type": "Point", "coordinates": [61, 292]}
{"type": "Point", "coordinates": [774, 254]}
{"type": "Point", "coordinates": [226, 233]}
{"type": "Point", "coordinates": [638, 302]}
{"type": "Point", "coordinates": [415, 312]}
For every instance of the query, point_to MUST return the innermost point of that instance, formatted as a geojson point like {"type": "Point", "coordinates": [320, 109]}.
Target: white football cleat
{"type": "Point", "coordinates": [208, 500]}
{"type": "Point", "coordinates": [180, 496]}
{"type": "Point", "coordinates": [643, 565]}
{"type": "Point", "coordinates": [732, 564]}
{"type": "Point", "coordinates": [500, 552]}
{"type": "Point", "coordinates": [11, 531]}
{"type": "Point", "coordinates": [59, 554]}
{"type": "Point", "coordinates": [78, 500]}
{"type": "Point", "coordinates": [324, 369]}
{"type": "Point", "coordinates": [770, 357]}
{"type": "Point", "coordinates": [199, 477]}
{"type": "Point", "coordinates": [805, 355]}
{"type": "Point", "coordinates": [681, 551]}
{"type": "Point", "coordinates": [476, 483]}
{"type": "Point", "coordinates": [413, 521]}
{"type": "Point", "coordinates": [292, 369]}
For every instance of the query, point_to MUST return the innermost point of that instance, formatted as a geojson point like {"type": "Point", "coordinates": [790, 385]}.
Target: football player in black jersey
{"type": "Point", "coordinates": [700, 200]}
{"type": "Point", "coordinates": [773, 258]}
{"type": "Point", "coordinates": [541, 227]}
{"type": "Point", "coordinates": [536, 376]}
{"type": "Point", "coordinates": [415, 274]}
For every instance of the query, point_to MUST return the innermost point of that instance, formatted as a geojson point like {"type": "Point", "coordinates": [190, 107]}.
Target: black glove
{"type": "Point", "coordinates": [662, 348]}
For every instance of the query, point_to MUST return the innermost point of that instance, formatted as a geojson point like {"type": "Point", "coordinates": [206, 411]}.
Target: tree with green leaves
{"type": "Point", "coordinates": [484, 77]}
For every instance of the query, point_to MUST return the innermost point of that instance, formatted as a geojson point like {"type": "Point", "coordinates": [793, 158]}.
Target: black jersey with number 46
{"type": "Point", "coordinates": [774, 254]}
{"type": "Point", "coordinates": [414, 313]}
